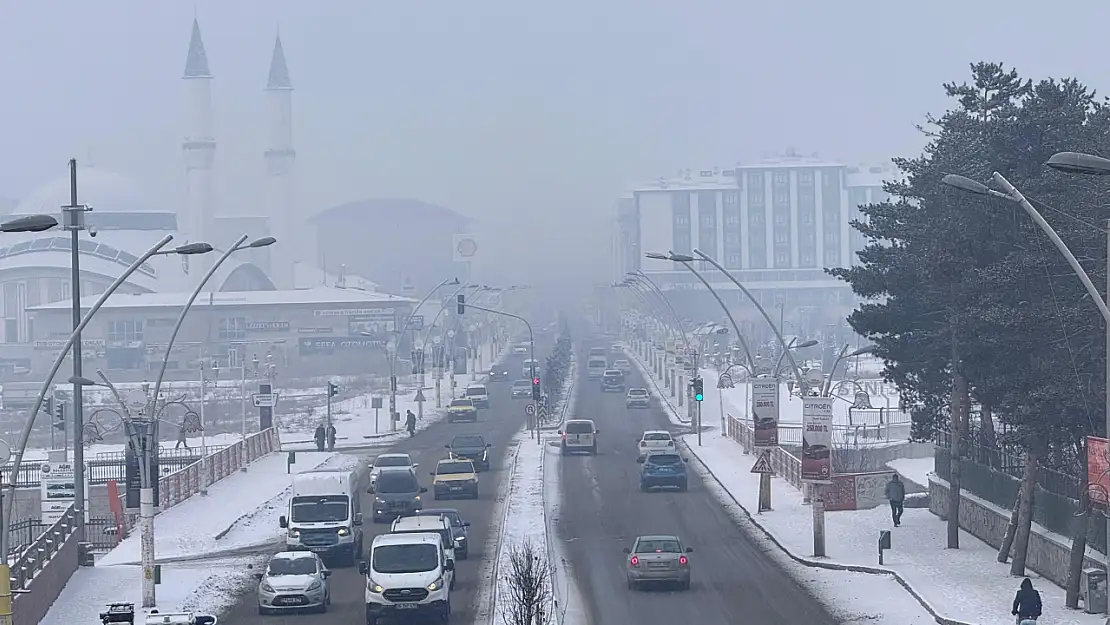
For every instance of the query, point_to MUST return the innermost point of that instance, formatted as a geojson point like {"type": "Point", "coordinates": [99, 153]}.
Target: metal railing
{"type": "Point", "coordinates": [97, 471]}
{"type": "Point", "coordinates": [785, 464]}
{"type": "Point", "coordinates": [33, 557]}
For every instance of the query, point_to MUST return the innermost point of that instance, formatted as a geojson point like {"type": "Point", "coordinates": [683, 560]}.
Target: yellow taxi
{"type": "Point", "coordinates": [455, 477]}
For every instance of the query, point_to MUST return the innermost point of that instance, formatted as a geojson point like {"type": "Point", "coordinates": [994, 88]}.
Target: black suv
{"type": "Point", "coordinates": [471, 447]}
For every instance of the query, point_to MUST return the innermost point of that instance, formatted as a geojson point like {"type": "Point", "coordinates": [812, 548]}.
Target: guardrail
{"type": "Point", "coordinates": [783, 462]}
{"type": "Point", "coordinates": [107, 466]}
{"type": "Point", "coordinates": [42, 568]}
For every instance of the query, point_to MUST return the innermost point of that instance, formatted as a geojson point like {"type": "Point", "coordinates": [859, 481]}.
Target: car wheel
{"type": "Point", "coordinates": [371, 619]}
{"type": "Point", "coordinates": [686, 585]}
{"type": "Point", "coordinates": [631, 584]}
{"type": "Point", "coordinates": [563, 450]}
{"type": "Point", "coordinates": [682, 487]}
{"type": "Point", "coordinates": [436, 496]}
{"type": "Point", "coordinates": [475, 493]}
{"type": "Point", "coordinates": [593, 450]}
{"type": "Point", "coordinates": [262, 611]}
{"type": "Point", "coordinates": [323, 609]}
{"type": "Point", "coordinates": [644, 487]}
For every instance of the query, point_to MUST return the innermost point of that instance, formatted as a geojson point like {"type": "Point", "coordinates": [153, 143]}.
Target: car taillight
{"type": "Point", "coordinates": [670, 443]}
{"type": "Point", "coordinates": [635, 561]}
{"type": "Point", "coordinates": [564, 437]}
{"type": "Point", "coordinates": [683, 560]}
{"type": "Point", "coordinates": [643, 443]}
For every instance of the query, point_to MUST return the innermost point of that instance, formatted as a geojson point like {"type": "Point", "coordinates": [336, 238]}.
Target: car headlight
{"type": "Point", "coordinates": [472, 481]}
{"type": "Point", "coordinates": [266, 587]}
{"type": "Point", "coordinates": [343, 531]}
{"type": "Point", "coordinates": [436, 585]}
{"type": "Point", "coordinates": [416, 499]}
{"type": "Point", "coordinates": [379, 501]}
{"type": "Point", "coordinates": [314, 586]}
{"type": "Point", "coordinates": [460, 539]}
{"type": "Point", "coordinates": [294, 533]}
{"type": "Point", "coordinates": [374, 587]}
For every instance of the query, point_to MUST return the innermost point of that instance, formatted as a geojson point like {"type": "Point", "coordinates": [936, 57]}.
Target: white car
{"type": "Point", "coordinates": [478, 395]}
{"type": "Point", "coordinates": [521, 350]}
{"type": "Point", "coordinates": [622, 365]}
{"type": "Point", "coordinates": [637, 398]}
{"type": "Point", "coordinates": [389, 460]}
{"type": "Point", "coordinates": [294, 580]}
{"type": "Point", "coordinates": [654, 441]}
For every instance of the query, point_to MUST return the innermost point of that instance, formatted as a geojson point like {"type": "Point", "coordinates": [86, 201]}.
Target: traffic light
{"type": "Point", "coordinates": [333, 389]}
{"type": "Point", "coordinates": [698, 387]}
{"type": "Point", "coordinates": [48, 405]}
{"type": "Point", "coordinates": [536, 389]}
{"type": "Point", "coordinates": [60, 415]}
{"type": "Point", "coordinates": [461, 299]}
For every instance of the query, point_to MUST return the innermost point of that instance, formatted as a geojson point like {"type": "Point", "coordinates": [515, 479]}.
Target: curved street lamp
{"type": "Point", "coordinates": [25, 436]}
{"type": "Point", "coordinates": [29, 223]}
{"type": "Point", "coordinates": [844, 355]}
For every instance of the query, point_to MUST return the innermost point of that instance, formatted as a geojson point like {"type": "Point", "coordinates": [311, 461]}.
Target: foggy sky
{"type": "Point", "coordinates": [537, 115]}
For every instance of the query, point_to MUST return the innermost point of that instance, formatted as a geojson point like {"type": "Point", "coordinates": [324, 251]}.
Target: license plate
{"type": "Point", "coordinates": [288, 601]}
{"type": "Point", "coordinates": [406, 606]}
{"type": "Point", "coordinates": [319, 548]}
{"type": "Point", "coordinates": [659, 565]}
{"type": "Point", "coordinates": [456, 488]}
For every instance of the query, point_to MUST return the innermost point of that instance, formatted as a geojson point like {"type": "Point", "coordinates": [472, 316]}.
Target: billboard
{"type": "Point", "coordinates": [817, 417]}
{"type": "Point", "coordinates": [765, 412]}
{"type": "Point", "coordinates": [1098, 470]}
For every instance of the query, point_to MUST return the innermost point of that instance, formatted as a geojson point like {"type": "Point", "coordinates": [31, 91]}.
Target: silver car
{"type": "Point", "coordinates": [389, 460]}
{"type": "Point", "coordinates": [658, 559]}
{"type": "Point", "coordinates": [294, 580]}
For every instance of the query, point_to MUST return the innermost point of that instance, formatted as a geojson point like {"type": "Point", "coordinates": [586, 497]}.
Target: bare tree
{"type": "Point", "coordinates": [850, 454]}
{"type": "Point", "coordinates": [526, 586]}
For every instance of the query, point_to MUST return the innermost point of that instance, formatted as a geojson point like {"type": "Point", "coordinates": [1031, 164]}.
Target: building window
{"type": "Point", "coordinates": [731, 238]}
{"type": "Point", "coordinates": [11, 330]}
{"type": "Point", "coordinates": [233, 329]}
{"type": "Point", "coordinates": [807, 259]}
{"type": "Point", "coordinates": [733, 261]}
{"type": "Point", "coordinates": [708, 220]}
{"type": "Point", "coordinates": [781, 178]}
{"type": "Point", "coordinates": [782, 218]}
{"type": "Point", "coordinates": [756, 218]}
{"type": "Point", "coordinates": [832, 258]}
{"type": "Point", "coordinates": [805, 217]}
{"type": "Point", "coordinates": [755, 180]}
{"type": "Point", "coordinates": [681, 220]}
{"type": "Point", "coordinates": [805, 177]}
{"type": "Point", "coordinates": [67, 292]}
{"type": "Point", "coordinates": [732, 219]}
{"type": "Point", "coordinates": [125, 331]}
{"type": "Point", "coordinates": [831, 238]}
{"type": "Point", "coordinates": [782, 238]}
{"type": "Point", "coordinates": [732, 198]}
{"type": "Point", "coordinates": [806, 198]}
{"type": "Point", "coordinates": [782, 260]}
{"type": "Point", "coordinates": [755, 199]}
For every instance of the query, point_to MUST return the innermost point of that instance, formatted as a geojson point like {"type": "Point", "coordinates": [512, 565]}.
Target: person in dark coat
{"type": "Point", "coordinates": [320, 436]}
{"type": "Point", "coordinates": [1027, 603]}
{"type": "Point", "coordinates": [896, 495]}
{"type": "Point", "coordinates": [410, 422]}
{"type": "Point", "coordinates": [331, 437]}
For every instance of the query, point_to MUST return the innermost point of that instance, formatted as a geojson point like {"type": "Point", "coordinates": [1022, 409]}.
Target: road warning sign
{"type": "Point", "coordinates": [763, 464]}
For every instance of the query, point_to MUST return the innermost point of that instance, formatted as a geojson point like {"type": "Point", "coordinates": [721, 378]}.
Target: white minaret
{"type": "Point", "coordinates": [280, 157]}
{"type": "Point", "coordinates": [199, 148]}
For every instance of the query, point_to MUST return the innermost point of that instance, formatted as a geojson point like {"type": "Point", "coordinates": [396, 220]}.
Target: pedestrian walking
{"type": "Point", "coordinates": [896, 495]}
{"type": "Point", "coordinates": [1027, 604]}
{"type": "Point", "coordinates": [320, 436]}
{"type": "Point", "coordinates": [410, 423]}
{"type": "Point", "coordinates": [331, 437]}
{"type": "Point", "coordinates": [182, 439]}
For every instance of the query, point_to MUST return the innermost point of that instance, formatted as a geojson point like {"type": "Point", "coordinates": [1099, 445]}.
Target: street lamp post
{"type": "Point", "coordinates": [392, 355]}
{"type": "Point", "coordinates": [28, 223]}
{"type": "Point", "coordinates": [26, 433]}
{"type": "Point", "coordinates": [844, 355]}
{"type": "Point", "coordinates": [1073, 163]}
{"type": "Point", "coordinates": [238, 245]}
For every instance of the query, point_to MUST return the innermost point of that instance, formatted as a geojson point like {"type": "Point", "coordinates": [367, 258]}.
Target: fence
{"type": "Point", "coordinates": [994, 474]}
{"type": "Point", "coordinates": [783, 462]}
{"type": "Point", "coordinates": [52, 556]}
{"type": "Point", "coordinates": [105, 467]}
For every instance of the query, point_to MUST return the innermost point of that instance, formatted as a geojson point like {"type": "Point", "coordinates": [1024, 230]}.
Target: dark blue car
{"type": "Point", "coordinates": [663, 470]}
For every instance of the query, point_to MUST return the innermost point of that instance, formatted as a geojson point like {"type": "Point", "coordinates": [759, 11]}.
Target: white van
{"type": "Point", "coordinates": [423, 524]}
{"type": "Point", "coordinates": [579, 435]}
{"type": "Point", "coordinates": [529, 367]}
{"type": "Point", "coordinates": [325, 515]}
{"type": "Point", "coordinates": [478, 395]}
{"type": "Point", "coordinates": [408, 576]}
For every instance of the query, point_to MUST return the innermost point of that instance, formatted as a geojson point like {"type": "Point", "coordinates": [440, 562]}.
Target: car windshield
{"type": "Point", "coordinates": [465, 403]}
{"type": "Point", "coordinates": [620, 363]}
{"type": "Point", "coordinates": [476, 390]}
{"type": "Point", "coordinates": [597, 351]}
{"type": "Point", "coordinates": [452, 517]}
{"type": "Point", "coordinates": [392, 461]}
{"type": "Point", "coordinates": [468, 441]}
{"type": "Point", "coordinates": [613, 375]}
{"type": "Point", "coordinates": [657, 436]}
{"type": "Point", "coordinates": [522, 383]}
{"type": "Point", "coordinates": [317, 509]}
{"type": "Point", "coordinates": [448, 468]}
{"type": "Point", "coordinates": [596, 362]}
{"type": "Point", "coordinates": [292, 566]}
{"type": "Point", "coordinates": [397, 482]}
{"type": "Point", "coordinates": [419, 558]}
{"type": "Point", "coordinates": [579, 427]}
{"type": "Point", "coordinates": [664, 459]}
{"type": "Point", "coordinates": [658, 546]}
{"type": "Point", "coordinates": [638, 391]}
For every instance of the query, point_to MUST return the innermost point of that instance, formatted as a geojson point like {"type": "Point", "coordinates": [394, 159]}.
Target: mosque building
{"type": "Point", "coordinates": [35, 268]}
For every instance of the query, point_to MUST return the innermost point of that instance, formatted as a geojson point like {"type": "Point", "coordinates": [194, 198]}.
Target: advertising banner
{"type": "Point", "coordinates": [1098, 470]}
{"type": "Point", "coordinates": [307, 346]}
{"type": "Point", "coordinates": [765, 412]}
{"type": "Point", "coordinates": [817, 418]}
{"type": "Point", "coordinates": [133, 481]}
{"type": "Point", "coordinates": [378, 325]}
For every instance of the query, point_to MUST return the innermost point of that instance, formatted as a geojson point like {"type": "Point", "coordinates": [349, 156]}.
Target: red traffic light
{"type": "Point", "coordinates": [535, 380]}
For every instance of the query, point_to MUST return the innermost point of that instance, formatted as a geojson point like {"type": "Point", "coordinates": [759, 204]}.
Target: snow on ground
{"type": "Point", "coordinates": [966, 585]}
{"type": "Point", "coordinates": [524, 520]}
{"type": "Point", "coordinates": [915, 470]}
{"type": "Point", "coordinates": [190, 528]}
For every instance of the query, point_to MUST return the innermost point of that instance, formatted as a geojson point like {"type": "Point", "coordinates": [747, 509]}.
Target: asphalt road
{"type": "Point", "coordinates": [603, 510]}
{"type": "Point", "coordinates": [498, 425]}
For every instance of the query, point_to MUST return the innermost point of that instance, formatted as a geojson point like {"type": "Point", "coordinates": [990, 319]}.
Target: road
{"type": "Point", "coordinates": [498, 425]}
{"type": "Point", "coordinates": [603, 510]}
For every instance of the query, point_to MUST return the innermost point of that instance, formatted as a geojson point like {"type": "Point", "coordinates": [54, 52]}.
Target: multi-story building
{"type": "Point", "coordinates": [776, 225]}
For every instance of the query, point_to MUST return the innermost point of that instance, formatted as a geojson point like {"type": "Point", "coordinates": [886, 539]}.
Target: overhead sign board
{"type": "Point", "coordinates": [264, 400]}
{"type": "Point", "coordinates": [465, 247]}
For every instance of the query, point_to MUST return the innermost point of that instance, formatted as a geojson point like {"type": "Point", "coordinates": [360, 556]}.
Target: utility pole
{"type": "Point", "coordinates": [203, 441]}
{"type": "Point", "coordinates": [74, 221]}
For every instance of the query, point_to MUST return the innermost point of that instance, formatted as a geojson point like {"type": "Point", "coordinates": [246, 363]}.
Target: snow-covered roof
{"type": "Point", "coordinates": [98, 188]}
{"type": "Point", "coordinates": [320, 295]}
{"type": "Point", "coordinates": [870, 176]}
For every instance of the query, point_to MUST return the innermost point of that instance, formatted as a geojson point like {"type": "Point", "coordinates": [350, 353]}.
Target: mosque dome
{"type": "Point", "coordinates": [103, 190]}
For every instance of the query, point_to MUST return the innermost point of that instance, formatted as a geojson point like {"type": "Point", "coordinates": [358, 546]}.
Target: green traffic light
{"type": "Point", "coordinates": [698, 397]}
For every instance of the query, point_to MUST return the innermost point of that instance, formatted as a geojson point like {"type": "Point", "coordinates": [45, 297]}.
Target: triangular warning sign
{"type": "Point", "coordinates": [763, 464]}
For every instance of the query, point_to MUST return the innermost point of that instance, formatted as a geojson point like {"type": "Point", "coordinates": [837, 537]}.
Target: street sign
{"type": "Point", "coordinates": [375, 402]}
{"type": "Point", "coordinates": [763, 464]}
{"type": "Point", "coordinates": [529, 409]}
{"type": "Point", "coordinates": [264, 400]}
{"type": "Point", "coordinates": [543, 412]}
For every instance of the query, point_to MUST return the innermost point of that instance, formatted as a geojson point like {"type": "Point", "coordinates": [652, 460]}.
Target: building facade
{"type": "Point", "coordinates": [776, 225]}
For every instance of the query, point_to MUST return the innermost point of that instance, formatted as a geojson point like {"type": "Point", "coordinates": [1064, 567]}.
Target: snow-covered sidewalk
{"type": "Point", "coordinates": [239, 513]}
